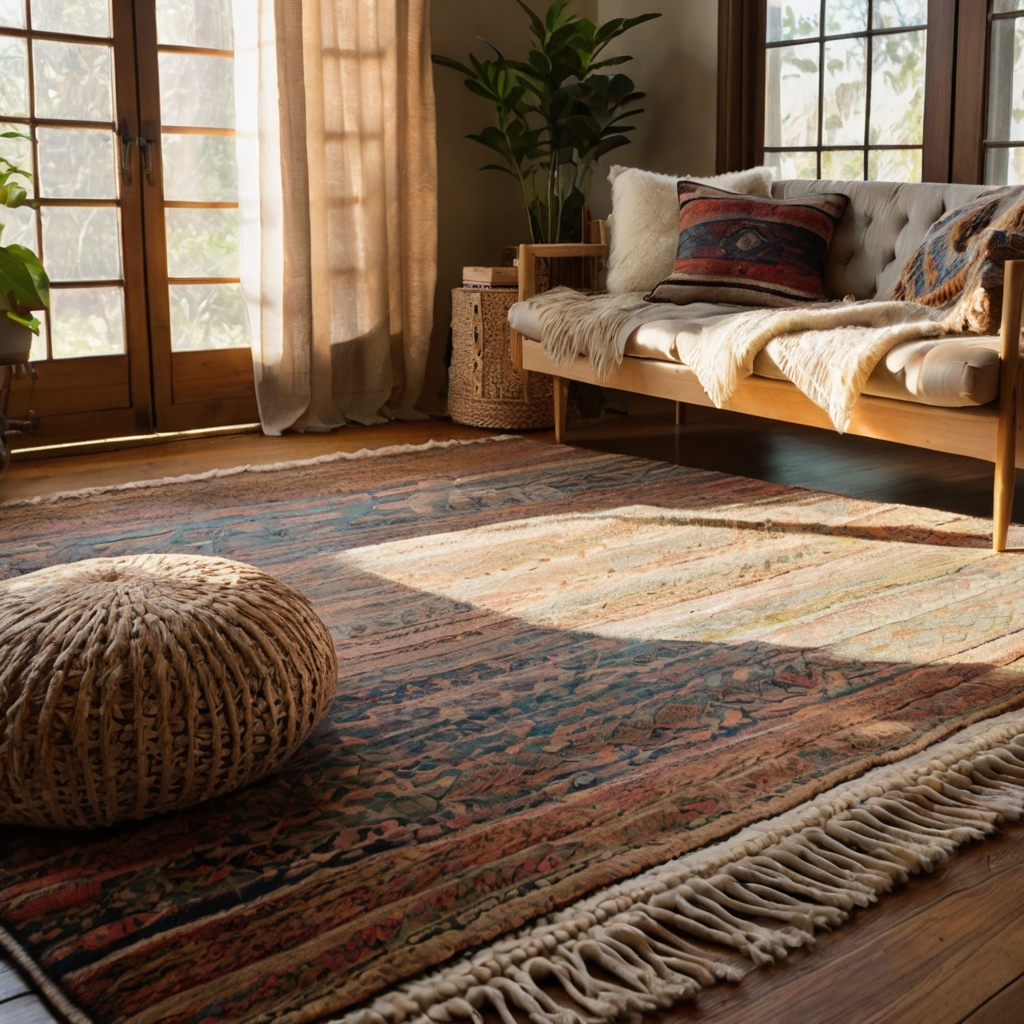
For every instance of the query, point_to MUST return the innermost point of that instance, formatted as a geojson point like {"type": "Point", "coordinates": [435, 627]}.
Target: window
{"type": "Point", "coordinates": [845, 88]}
{"type": "Point", "coordinates": [1004, 136]}
{"type": "Point", "coordinates": [57, 87]}
{"type": "Point", "coordinates": [197, 98]}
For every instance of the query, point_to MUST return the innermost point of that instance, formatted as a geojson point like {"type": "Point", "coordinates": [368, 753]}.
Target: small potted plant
{"type": "Point", "coordinates": [24, 285]}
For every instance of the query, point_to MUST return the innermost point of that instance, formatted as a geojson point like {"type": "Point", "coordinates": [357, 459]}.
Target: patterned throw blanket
{"type": "Point", "coordinates": [828, 350]}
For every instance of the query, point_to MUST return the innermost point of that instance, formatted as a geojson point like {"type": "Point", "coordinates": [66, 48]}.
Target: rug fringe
{"type": "Point", "coordinates": [660, 938]}
{"type": "Point", "coordinates": [270, 467]}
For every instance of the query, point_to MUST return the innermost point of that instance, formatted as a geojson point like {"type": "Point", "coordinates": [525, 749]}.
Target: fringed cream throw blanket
{"type": "Point", "coordinates": [827, 350]}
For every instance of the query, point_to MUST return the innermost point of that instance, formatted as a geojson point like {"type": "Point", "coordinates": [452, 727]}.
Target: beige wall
{"type": "Point", "coordinates": [480, 212]}
{"type": "Point", "coordinates": [675, 61]}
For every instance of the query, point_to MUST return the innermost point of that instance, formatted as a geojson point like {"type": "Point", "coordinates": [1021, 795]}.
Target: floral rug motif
{"type": "Point", "coordinates": [557, 669]}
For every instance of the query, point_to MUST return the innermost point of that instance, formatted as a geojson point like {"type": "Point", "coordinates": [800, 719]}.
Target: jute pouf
{"type": "Point", "coordinates": [133, 686]}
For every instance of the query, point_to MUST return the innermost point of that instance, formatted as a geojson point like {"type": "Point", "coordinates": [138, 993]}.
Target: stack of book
{"type": "Point", "coordinates": [490, 277]}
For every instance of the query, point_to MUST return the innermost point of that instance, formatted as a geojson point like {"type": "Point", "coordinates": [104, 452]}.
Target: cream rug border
{"type": "Point", "coordinates": [270, 467]}
{"type": "Point", "coordinates": [807, 868]}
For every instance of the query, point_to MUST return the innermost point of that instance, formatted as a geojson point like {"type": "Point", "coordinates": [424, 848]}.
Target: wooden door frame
{"type": "Point", "coordinates": [742, 25]}
{"type": "Point", "coordinates": [191, 390]}
{"type": "Point", "coordinates": [133, 271]}
{"type": "Point", "coordinates": [103, 396]}
{"type": "Point", "coordinates": [968, 158]}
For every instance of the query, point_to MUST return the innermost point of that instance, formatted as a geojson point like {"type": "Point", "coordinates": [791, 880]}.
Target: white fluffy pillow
{"type": "Point", "coordinates": [645, 221]}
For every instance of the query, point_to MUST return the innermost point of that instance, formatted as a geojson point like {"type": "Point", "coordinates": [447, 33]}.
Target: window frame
{"type": "Point", "coordinates": [742, 48]}
{"type": "Point", "coordinates": [821, 40]}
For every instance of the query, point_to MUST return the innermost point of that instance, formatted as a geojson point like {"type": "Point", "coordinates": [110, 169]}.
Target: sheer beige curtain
{"type": "Point", "coordinates": [338, 205]}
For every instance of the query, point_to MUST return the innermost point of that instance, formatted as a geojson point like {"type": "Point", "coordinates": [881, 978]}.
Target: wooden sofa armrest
{"type": "Point", "coordinates": [528, 256]}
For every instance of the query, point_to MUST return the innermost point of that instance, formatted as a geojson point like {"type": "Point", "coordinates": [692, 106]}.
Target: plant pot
{"type": "Point", "coordinates": [15, 342]}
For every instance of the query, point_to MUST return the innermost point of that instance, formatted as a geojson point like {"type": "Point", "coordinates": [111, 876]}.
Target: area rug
{"type": "Point", "coordinates": [558, 670]}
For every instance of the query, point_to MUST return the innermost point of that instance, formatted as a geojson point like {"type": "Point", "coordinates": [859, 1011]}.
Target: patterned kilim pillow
{"type": "Point", "coordinates": [964, 252]}
{"type": "Point", "coordinates": [749, 250]}
{"type": "Point", "coordinates": [979, 306]}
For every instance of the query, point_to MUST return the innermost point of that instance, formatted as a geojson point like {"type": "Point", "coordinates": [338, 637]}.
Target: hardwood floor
{"type": "Point", "coordinates": [946, 948]}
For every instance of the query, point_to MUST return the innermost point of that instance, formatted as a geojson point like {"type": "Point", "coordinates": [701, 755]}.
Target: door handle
{"type": "Point", "coordinates": [146, 153]}
{"type": "Point", "coordinates": [127, 141]}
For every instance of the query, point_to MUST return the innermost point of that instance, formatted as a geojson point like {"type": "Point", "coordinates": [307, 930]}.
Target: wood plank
{"type": "Point", "coordinates": [940, 68]}
{"type": "Point", "coordinates": [929, 953]}
{"type": "Point", "coordinates": [69, 386]}
{"type": "Point", "coordinates": [28, 1009]}
{"type": "Point", "coordinates": [970, 431]}
{"type": "Point", "coordinates": [67, 429]}
{"type": "Point", "coordinates": [133, 237]}
{"type": "Point", "coordinates": [1005, 1007]}
{"type": "Point", "coordinates": [213, 375]}
{"type": "Point", "coordinates": [11, 982]}
{"type": "Point", "coordinates": [29, 478]}
{"type": "Point", "coordinates": [220, 412]}
{"type": "Point", "coordinates": [969, 99]}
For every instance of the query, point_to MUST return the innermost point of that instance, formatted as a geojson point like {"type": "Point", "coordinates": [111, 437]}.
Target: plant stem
{"type": "Point", "coordinates": [522, 180]}
{"type": "Point", "coordinates": [552, 171]}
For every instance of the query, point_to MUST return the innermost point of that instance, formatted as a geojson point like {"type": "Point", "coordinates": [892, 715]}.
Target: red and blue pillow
{"type": "Point", "coordinates": [750, 250]}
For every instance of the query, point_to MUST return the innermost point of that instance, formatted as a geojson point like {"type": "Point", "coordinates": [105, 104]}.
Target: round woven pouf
{"type": "Point", "coordinates": [133, 686]}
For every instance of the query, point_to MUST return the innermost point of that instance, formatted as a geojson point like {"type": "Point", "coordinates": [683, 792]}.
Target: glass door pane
{"type": "Point", "coordinates": [68, 83]}
{"type": "Point", "coordinates": [1004, 135]}
{"type": "Point", "coordinates": [59, 90]}
{"type": "Point", "coordinates": [197, 113]}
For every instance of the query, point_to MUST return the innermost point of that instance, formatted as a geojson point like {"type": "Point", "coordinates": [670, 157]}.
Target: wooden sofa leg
{"type": "Point", "coordinates": [561, 407]}
{"type": "Point", "coordinates": [1002, 504]}
{"type": "Point", "coordinates": [680, 413]}
{"type": "Point", "coordinates": [1006, 435]}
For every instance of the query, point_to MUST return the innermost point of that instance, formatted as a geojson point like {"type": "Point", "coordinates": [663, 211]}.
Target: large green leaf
{"type": "Point", "coordinates": [35, 269]}
{"type": "Point", "coordinates": [16, 282]}
{"type": "Point", "coordinates": [493, 138]}
{"type": "Point", "coordinates": [31, 322]}
{"type": "Point", "coordinates": [498, 167]}
{"type": "Point", "coordinates": [536, 24]}
{"type": "Point", "coordinates": [448, 62]}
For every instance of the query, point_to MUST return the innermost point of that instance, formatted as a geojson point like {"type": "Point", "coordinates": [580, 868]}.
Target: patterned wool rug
{"type": "Point", "coordinates": [558, 669]}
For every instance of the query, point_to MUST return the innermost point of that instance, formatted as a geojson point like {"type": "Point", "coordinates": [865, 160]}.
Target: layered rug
{"type": "Point", "coordinates": [560, 671]}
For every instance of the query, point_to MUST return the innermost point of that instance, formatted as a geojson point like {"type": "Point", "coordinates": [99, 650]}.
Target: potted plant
{"type": "Point", "coordinates": [558, 112]}
{"type": "Point", "coordinates": [24, 286]}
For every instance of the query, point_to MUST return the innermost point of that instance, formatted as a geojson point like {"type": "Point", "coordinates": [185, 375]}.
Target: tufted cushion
{"type": "Point", "coordinates": [881, 229]}
{"type": "Point", "coordinates": [947, 372]}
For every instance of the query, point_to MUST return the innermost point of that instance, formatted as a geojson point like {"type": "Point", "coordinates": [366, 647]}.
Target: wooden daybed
{"type": "Point", "coordinates": [988, 432]}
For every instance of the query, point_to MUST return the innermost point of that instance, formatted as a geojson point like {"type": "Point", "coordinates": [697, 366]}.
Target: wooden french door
{"type": "Point", "coordinates": [130, 109]}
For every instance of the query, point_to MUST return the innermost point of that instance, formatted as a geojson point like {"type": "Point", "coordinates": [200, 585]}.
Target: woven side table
{"type": "Point", "coordinates": [483, 389]}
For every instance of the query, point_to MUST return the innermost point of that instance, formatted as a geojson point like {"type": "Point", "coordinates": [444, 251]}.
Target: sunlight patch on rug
{"type": "Point", "coordinates": [645, 573]}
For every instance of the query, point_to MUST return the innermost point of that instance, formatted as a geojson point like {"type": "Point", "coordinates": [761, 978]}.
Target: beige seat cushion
{"type": "Point", "coordinates": [947, 372]}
